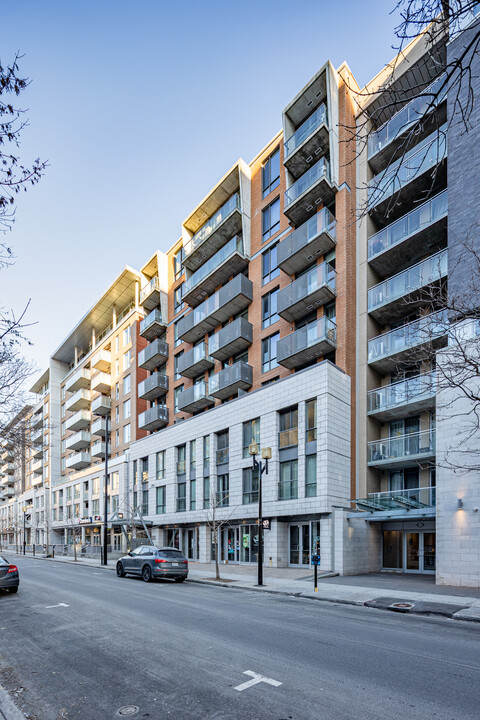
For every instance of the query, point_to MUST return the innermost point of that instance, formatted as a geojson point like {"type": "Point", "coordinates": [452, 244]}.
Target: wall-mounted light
{"type": "Point", "coordinates": [460, 503]}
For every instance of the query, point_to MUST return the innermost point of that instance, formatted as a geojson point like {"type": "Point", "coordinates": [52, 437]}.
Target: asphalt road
{"type": "Point", "coordinates": [181, 651]}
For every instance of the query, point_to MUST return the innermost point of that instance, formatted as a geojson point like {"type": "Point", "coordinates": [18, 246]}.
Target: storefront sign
{"type": "Point", "coordinates": [85, 521]}
{"type": "Point", "coordinates": [266, 524]}
{"type": "Point", "coordinates": [98, 518]}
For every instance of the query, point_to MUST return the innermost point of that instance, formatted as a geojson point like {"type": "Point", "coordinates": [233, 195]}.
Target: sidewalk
{"type": "Point", "coordinates": [413, 594]}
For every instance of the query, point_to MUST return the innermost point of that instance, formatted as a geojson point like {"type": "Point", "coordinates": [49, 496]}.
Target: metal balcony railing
{"type": "Point", "coordinates": [316, 172]}
{"type": "Point", "coordinates": [306, 129]}
{"type": "Point", "coordinates": [402, 446]}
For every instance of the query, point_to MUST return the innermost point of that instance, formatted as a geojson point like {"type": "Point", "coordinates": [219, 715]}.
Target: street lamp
{"type": "Point", "coordinates": [24, 528]}
{"type": "Point", "coordinates": [261, 468]}
{"type": "Point", "coordinates": [105, 496]}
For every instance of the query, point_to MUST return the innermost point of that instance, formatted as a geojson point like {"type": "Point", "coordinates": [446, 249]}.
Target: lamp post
{"type": "Point", "coordinates": [261, 468]}
{"type": "Point", "coordinates": [24, 528]}
{"type": "Point", "coordinates": [105, 496]}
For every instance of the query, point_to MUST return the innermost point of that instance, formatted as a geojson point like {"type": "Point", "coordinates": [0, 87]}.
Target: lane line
{"type": "Point", "coordinates": [48, 607]}
{"type": "Point", "coordinates": [256, 678]}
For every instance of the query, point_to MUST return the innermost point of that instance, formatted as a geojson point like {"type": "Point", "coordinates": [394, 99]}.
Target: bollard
{"type": "Point", "coordinates": [33, 549]}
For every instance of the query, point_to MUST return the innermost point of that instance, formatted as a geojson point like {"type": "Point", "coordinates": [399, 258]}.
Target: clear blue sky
{"type": "Point", "coordinates": [141, 107]}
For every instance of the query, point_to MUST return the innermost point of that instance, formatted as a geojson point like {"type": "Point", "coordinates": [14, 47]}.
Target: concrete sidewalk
{"type": "Point", "coordinates": [400, 593]}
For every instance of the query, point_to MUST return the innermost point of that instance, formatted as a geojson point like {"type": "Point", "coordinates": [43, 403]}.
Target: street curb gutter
{"type": "Point", "coordinates": [8, 710]}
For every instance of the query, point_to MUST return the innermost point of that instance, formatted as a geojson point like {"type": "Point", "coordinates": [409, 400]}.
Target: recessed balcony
{"type": "Point", "coordinates": [37, 480]}
{"type": "Point", "coordinates": [307, 343]}
{"type": "Point", "coordinates": [317, 236]}
{"type": "Point", "coordinates": [153, 325]}
{"type": "Point", "coordinates": [316, 287]}
{"type": "Point", "coordinates": [402, 451]}
{"type": "Point", "coordinates": [37, 420]}
{"type": "Point", "coordinates": [231, 299]}
{"type": "Point", "coordinates": [153, 387]}
{"type": "Point", "coordinates": [37, 467]}
{"type": "Point", "coordinates": [79, 461]}
{"type": "Point", "coordinates": [223, 225]}
{"type": "Point", "coordinates": [234, 338]}
{"type": "Point", "coordinates": [154, 355]}
{"type": "Point", "coordinates": [386, 351]}
{"type": "Point", "coordinates": [99, 427]}
{"type": "Point", "coordinates": [314, 188]}
{"type": "Point", "coordinates": [98, 450]}
{"type": "Point", "coordinates": [8, 468]}
{"type": "Point", "coordinates": [7, 481]}
{"type": "Point", "coordinates": [79, 441]}
{"type": "Point", "coordinates": [101, 405]}
{"type": "Point", "coordinates": [402, 501]}
{"type": "Point", "coordinates": [150, 294]}
{"type": "Point", "coordinates": [195, 398]}
{"type": "Point", "coordinates": [79, 421]}
{"type": "Point", "coordinates": [154, 418]}
{"type": "Point", "coordinates": [308, 143]}
{"type": "Point", "coordinates": [102, 360]}
{"type": "Point", "coordinates": [101, 382]}
{"type": "Point", "coordinates": [78, 380]}
{"type": "Point", "coordinates": [406, 240]}
{"type": "Point", "coordinates": [79, 401]}
{"type": "Point", "coordinates": [37, 448]}
{"type": "Point", "coordinates": [229, 260]}
{"type": "Point", "coordinates": [401, 294]}
{"type": "Point", "coordinates": [406, 397]}
{"type": "Point", "coordinates": [230, 380]}
{"type": "Point", "coordinates": [195, 361]}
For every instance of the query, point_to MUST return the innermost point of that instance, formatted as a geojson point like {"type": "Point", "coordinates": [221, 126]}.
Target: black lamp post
{"type": "Point", "coordinates": [24, 529]}
{"type": "Point", "coordinates": [261, 468]}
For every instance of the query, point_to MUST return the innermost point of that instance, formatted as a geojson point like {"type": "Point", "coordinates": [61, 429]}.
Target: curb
{"type": "Point", "coordinates": [8, 709]}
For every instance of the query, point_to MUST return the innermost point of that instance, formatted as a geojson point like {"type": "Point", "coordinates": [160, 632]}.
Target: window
{"type": "Point", "coordinates": [69, 493]}
{"type": "Point", "coordinates": [288, 435]}
{"type": "Point", "coordinates": [126, 409]}
{"type": "Point", "coordinates": [135, 500]}
{"type": "Point", "coordinates": [206, 452]}
{"type": "Point", "coordinates": [114, 503]}
{"type": "Point", "coordinates": [222, 447]}
{"type": "Point", "coordinates": [271, 173]}
{"type": "Point", "coordinates": [114, 480]}
{"type": "Point", "coordinates": [144, 502]}
{"type": "Point", "coordinates": [177, 264]}
{"type": "Point", "coordinates": [117, 438]}
{"type": "Point", "coordinates": [117, 344]}
{"type": "Point", "coordinates": [311, 420]}
{"type": "Point", "coordinates": [269, 352]}
{"type": "Point", "coordinates": [269, 308]}
{"type": "Point", "coordinates": [95, 507]}
{"type": "Point", "coordinates": [176, 394]}
{"type": "Point", "coordinates": [144, 469]}
{"type": "Point", "coordinates": [193, 494]}
{"type": "Point", "coordinates": [135, 475]}
{"type": "Point", "coordinates": [117, 391]}
{"type": "Point", "coordinates": [127, 384]}
{"type": "Point", "coordinates": [160, 500]}
{"type": "Point", "coordinates": [117, 368]}
{"type": "Point", "coordinates": [222, 490]}
{"type": "Point", "coordinates": [250, 486]}
{"type": "Point", "coordinates": [117, 414]}
{"type": "Point", "coordinates": [127, 433]}
{"type": "Point", "coordinates": [63, 430]}
{"type": "Point", "coordinates": [127, 336]}
{"type": "Point", "coordinates": [269, 265]}
{"type": "Point", "coordinates": [193, 456]}
{"type": "Point", "coordinates": [181, 452]}
{"type": "Point", "coordinates": [127, 359]}
{"type": "Point", "coordinates": [178, 340]}
{"type": "Point", "coordinates": [310, 476]}
{"type": "Point", "coordinates": [271, 219]}
{"type": "Point", "coordinates": [206, 492]}
{"type": "Point", "coordinates": [176, 360]}
{"type": "Point", "coordinates": [251, 433]}
{"type": "Point", "coordinates": [63, 392]}
{"type": "Point", "coordinates": [177, 299]}
{"type": "Point", "coordinates": [160, 465]}
{"type": "Point", "coordinates": [288, 486]}
{"type": "Point", "coordinates": [96, 486]}
{"type": "Point", "coordinates": [181, 497]}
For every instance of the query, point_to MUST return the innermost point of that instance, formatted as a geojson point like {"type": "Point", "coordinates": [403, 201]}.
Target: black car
{"type": "Point", "coordinates": [9, 577]}
{"type": "Point", "coordinates": [152, 562]}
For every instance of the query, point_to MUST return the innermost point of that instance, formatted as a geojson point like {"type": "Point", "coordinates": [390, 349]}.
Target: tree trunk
{"type": "Point", "coordinates": [217, 568]}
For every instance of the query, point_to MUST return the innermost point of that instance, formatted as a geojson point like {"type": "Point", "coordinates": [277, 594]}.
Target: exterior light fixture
{"type": "Point", "coordinates": [253, 450]}
{"type": "Point", "coordinates": [460, 503]}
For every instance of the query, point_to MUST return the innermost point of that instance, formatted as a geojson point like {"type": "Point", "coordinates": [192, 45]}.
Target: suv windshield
{"type": "Point", "coordinates": [170, 554]}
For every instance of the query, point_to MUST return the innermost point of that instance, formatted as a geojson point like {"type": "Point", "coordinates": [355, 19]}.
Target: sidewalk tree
{"type": "Point", "coordinates": [216, 520]}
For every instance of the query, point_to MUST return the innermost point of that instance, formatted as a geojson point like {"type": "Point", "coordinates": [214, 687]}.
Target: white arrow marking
{"type": "Point", "coordinates": [256, 678]}
{"type": "Point", "coordinates": [47, 607]}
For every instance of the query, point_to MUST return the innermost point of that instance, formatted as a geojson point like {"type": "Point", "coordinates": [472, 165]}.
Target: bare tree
{"type": "Point", "coordinates": [74, 530]}
{"type": "Point", "coordinates": [217, 516]}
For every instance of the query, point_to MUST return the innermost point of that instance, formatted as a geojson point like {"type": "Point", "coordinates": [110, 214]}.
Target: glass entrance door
{"type": "Point", "coordinates": [299, 544]}
{"type": "Point", "coordinates": [420, 552]}
{"type": "Point", "coordinates": [413, 551]}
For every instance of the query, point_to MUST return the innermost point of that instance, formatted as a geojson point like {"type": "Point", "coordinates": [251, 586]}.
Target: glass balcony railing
{"type": "Point", "coordinates": [288, 438]}
{"type": "Point", "coordinates": [402, 446]}
{"type": "Point", "coordinates": [416, 277]}
{"type": "Point", "coordinates": [411, 224]}
{"type": "Point", "coordinates": [307, 285]}
{"type": "Point", "coordinates": [212, 224]}
{"type": "Point", "coordinates": [233, 246]}
{"type": "Point", "coordinates": [306, 129]}
{"type": "Point", "coordinates": [319, 223]}
{"type": "Point", "coordinates": [408, 336]}
{"type": "Point", "coordinates": [411, 499]}
{"type": "Point", "coordinates": [316, 172]}
{"type": "Point", "coordinates": [153, 285]}
{"type": "Point", "coordinates": [307, 337]}
{"type": "Point", "coordinates": [154, 320]}
{"type": "Point", "coordinates": [408, 116]}
{"type": "Point", "coordinates": [402, 392]}
{"type": "Point", "coordinates": [417, 161]}
{"type": "Point", "coordinates": [195, 398]}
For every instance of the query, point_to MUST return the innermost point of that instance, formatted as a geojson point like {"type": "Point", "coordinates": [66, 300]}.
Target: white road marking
{"type": "Point", "coordinates": [256, 678]}
{"type": "Point", "coordinates": [47, 607]}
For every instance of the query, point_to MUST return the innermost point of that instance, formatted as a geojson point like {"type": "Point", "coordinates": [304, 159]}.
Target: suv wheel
{"type": "Point", "coordinates": [146, 573]}
{"type": "Point", "coordinates": [120, 570]}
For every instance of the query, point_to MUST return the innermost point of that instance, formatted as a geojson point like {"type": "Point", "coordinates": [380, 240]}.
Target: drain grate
{"type": "Point", "coordinates": [128, 711]}
{"type": "Point", "coordinates": [402, 606]}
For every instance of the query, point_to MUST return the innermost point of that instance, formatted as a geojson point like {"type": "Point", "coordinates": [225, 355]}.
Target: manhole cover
{"type": "Point", "coordinates": [402, 606]}
{"type": "Point", "coordinates": [128, 710]}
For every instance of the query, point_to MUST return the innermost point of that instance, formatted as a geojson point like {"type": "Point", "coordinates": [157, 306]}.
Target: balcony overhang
{"type": "Point", "coordinates": [153, 325]}
{"type": "Point", "coordinates": [411, 406]}
{"type": "Point", "coordinates": [192, 402]}
{"type": "Point", "coordinates": [292, 259]}
{"type": "Point", "coordinates": [231, 340]}
{"type": "Point", "coordinates": [101, 405]}
{"type": "Point", "coordinates": [153, 355]}
{"type": "Point", "coordinates": [321, 192]}
{"type": "Point", "coordinates": [391, 362]}
{"type": "Point", "coordinates": [102, 383]}
{"type": "Point", "coordinates": [99, 427]}
{"type": "Point", "coordinates": [291, 308]}
{"type": "Point", "coordinates": [80, 401]}
{"type": "Point", "coordinates": [154, 418]}
{"type": "Point", "coordinates": [299, 160]}
{"type": "Point", "coordinates": [79, 461]}
{"type": "Point", "coordinates": [228, 228]}
{"type": "Point", "coordinates": [80, 420]}
{"type": "Point", "coordinates": [193, 363]}
{"type": "Point", "coordinates": [153, 387]}
{"type": "Point", "coordinates": [230, 380]}
{"type": "Point", "coordinates": [232, 266]}
{"type": "Point", "coordinates": [301, 355]}
{"type": "Point", "coordinates": [78, 441]}
{"type": "Point", "coordinates": [79, 380]}
{"type": "Point", "coordinates": [422, 457]}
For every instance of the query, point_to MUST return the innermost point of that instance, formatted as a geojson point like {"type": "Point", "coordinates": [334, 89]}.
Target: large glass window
{"type": "Point", "coordinates": [127, 384]}
{"type": "Point", "coordinates": [310, 475]}
{"type": "Point", "coordinates": [127, 409]}
{"type": "Point", "coordinates": [222, 447]}
{"type": "Point", "coordinates": [311, 420]}
{"type": "Point", "coordinates": [193, 494]}
{"type": "Point", "coordinates": [250, 486]}
{"type": "Point", "coordinates": [181, 453]}
{"type": "Point", "coordinates": [176, 360]}
{"type": "Point", "coordinates": [161, 500]}
{"type": "Point", "coordinates": [177, 299]}
{"type": "Point", "coordinates": [127, 336]}
{"type": "Point", "coordinates": [177, 264]}
{"type": "Point", "coordinates": [288, 435]}
{"type": "Point", "coordinates": [160, 465]}
{"type": "Point", "coordinates": [206, 492]}
{"type": "Point", "coordinates": [176, 394]}
{"type": "Point", "coordinates": [269, 265]}
{"type": "Point", "coordinates": [177, 339]}
{"type": "Point", "coordinates": [144, 502]}
{"type": "Point", "coordinates": [269, 352]}
{"type": "Point", "coordinates": [271, 219]}
{"type": "Point", "coordinates": [288, 486]}
{"type": "Point", "coordinates": [269, 309]}
{"type": "Point", "coordinates": [271, 173]}
{"type": "Point", "coordinates": [251, 433]}
{"type": "Point", "coordinates": [222, 490]}
{"type": "Point", "coordinates": [193, 457]}
{"type": "Point", "coordinates": [181, 497]}
{"type": "Point", "coordinates": [127, 433]}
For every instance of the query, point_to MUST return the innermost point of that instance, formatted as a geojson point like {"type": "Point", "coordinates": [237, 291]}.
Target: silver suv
{"type": "Point", "coordinates": [152, 562]}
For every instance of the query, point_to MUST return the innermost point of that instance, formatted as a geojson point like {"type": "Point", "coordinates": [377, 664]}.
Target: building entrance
{"type": "Point", "coordinates": [303, 541]}
{"type": "Point", "coordinates": [412, 551]}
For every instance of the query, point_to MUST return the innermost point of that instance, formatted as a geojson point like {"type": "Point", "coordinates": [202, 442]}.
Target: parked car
{"type": "Point", "coordinates": [9, 576]}
{"type": "Point", "coordinates": [152, 562]}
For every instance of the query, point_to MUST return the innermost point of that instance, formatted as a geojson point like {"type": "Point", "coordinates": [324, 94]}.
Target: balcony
{"type": "Point", "coordinates": [37, 420]}
{"type": "Point", "coordinates": [308, 143]}
{"type": "Point", "coordinates": [37, 449]}
{"type": "Point", "coordinates": [308, 192]}
{"type": "Point", "coordinates": [7, 481]}
{"type": "Point", "coordinates": [304, 345]}
{"type": "Point", "coordinates": [315, 237]}
{"type": "Point", "coordinates": [8, 492]}
{"type": "Point", "coordinates": [154, 418]}
{"type": "Point", "coordinates": [150, 294]}
{"type": "Point", "coordinates": [153, 387]}
{"type": "Point", "coordinates": [412, 175]}
{"type": "Point", "coordinates": [102, 405]}
{"type": "Point", "coordinates": [79, 441]}
{"type": "Point", "coordinates": [229, 381]}
{"type": "Point", "coordinates": [305, 294]}
{"type": "Point", "coordinates": [154, 355]}
{"type": "Point", "coordinates": [231, 299]}
{"type": "Point", "coordinates": [78, 461]}
{"type": "Point", "coordinates": [194, 362]}
{"type": "Point", "coordinates": [387, 350]}
{"type": "Point", "coordinates": [78, 380]}
{"type": "Point", "coordinates": [420, 231]}
{"type": "Point", "coordinates": [401, 294]}
{"type": "Point", "coordinates": [102, 360]}
{"type": "Point", "coordinates": [37, 467]}
{"type": "Point", "coordinates": [229, 260]}
{"type": "Point", "coordinates": [231, 340]}
{"type": "Point", "coordinates": [226, 223]}
{"type": "Point", "coordinates": [386, 141]}
{"type": "Point", "coordinates": [79, 421]}
{"type": "Point", "coordinates": [407, 397]}
{"type": "Point", "coordinates": [402, 500]}
{"type": "Point", "coordinates": [99, 427]}
{"type": "Point", "coordinates": [8, 468]}
{"type": "Point", "coordinates": [37, 480]}
{"type": "Point", "coordinates": [98, 450]}
{"type": "Point", "coordinates": [79, 401]}
{"type": "Point", "coordinates": [195, 398]}
{"type": "Point", "coordinates": [102, 382]}
{"type": "Point", "coordinates": [153, 325]}
{"type": "Point", "coordinates": [402, 451]}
